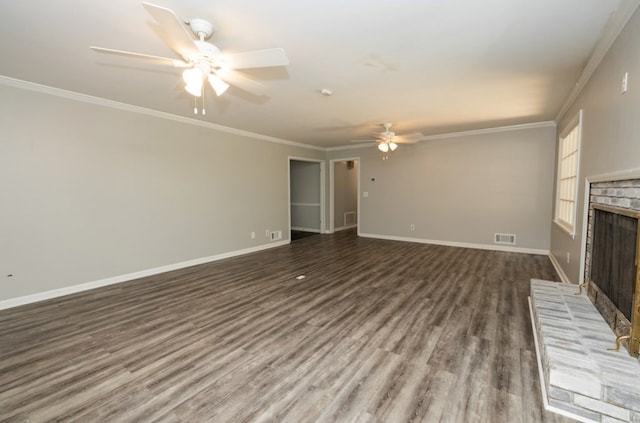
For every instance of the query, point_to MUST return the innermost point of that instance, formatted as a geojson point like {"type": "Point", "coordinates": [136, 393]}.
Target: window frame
{"type": "Point", "coordinates": [569, 227]}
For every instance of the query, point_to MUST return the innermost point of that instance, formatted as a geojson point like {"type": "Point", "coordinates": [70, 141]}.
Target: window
{"type": "Point", "coordinates": [567, 179]}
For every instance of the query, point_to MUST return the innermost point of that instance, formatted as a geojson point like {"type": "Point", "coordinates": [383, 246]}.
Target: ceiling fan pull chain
{"type": "Point", "coordinates": [204, 112]}
{"type": "Point", "coordinates": [195, 105]}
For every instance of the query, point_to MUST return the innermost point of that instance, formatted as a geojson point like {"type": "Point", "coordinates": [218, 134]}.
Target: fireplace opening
{"type": "Point", "coordinates": [613, 277]}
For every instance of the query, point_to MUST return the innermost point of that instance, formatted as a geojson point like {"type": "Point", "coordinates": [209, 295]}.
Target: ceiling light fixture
{"type": "Point", "coordinates": [193, 79]}
{"type": "Point", "coordinates": [387, 145]}
{"type": "Point", "coordinates": [218, 85]}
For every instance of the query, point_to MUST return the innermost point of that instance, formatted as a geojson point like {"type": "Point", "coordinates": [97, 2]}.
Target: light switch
{"type": "Point", "coordinates": [365, 194]}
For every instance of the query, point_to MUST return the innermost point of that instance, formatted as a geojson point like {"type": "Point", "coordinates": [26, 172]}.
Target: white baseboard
{"type": "Point", "coordinates": [563, 276]}
{"type": "Point", "coordinates": [298, 228]}
{"type": "Point", "coordinates": [344, 228]}
{"type": "Point", "coordinates": [46, 295]}
{"type": "Point", "coordinates": [459, 244]}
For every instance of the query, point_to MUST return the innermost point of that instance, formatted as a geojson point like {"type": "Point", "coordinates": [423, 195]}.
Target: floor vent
{"type": "Point", "coordinates": [505, 239]}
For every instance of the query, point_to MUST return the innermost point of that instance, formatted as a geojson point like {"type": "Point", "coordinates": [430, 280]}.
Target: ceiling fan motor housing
{"type": "Point", "coordinates": [209, 53]}
{"type": "Point", "coordinates": [201, 28]}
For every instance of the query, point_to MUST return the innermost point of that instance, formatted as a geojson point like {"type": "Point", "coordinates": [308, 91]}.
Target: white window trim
{"type": "Point", "coordinates": [571, 231]}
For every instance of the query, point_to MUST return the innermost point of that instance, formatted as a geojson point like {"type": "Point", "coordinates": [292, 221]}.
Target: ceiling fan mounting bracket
{"type": "Point", "coordinates": [201, 28]}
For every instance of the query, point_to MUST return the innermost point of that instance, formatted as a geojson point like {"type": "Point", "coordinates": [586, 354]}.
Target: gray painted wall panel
{"type": "Point", "coordinates": [610, 132]}
{"type": "Point", "coordinates": [91, 192]}
{"type": "Point", "coordinates": [461, 189]}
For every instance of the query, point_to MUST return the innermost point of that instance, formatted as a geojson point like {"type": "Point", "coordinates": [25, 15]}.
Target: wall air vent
{"type": "Point", "coordinates": [505, 239]}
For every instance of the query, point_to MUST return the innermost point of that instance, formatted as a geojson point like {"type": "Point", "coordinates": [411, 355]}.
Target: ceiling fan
{"type": "Point", "coordinates": [388, 141]}
{"type": "Point", "coordinates": [202, 60]}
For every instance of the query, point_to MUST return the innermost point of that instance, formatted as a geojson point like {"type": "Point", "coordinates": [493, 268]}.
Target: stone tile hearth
{"type": "Point", "coordinates": [580, 378]}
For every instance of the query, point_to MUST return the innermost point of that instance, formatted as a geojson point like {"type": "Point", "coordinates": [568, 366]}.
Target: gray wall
{"type": "Point", "coordinates": [461, 189]}
{"type": "Point", "coordinates": [345, 191]}
{"type": "Point", "coordinates": [90, 192]}
{"type": "Point", "coordinates": [610, 132]}
{"type": "Point", "coordinates": [305, 195]}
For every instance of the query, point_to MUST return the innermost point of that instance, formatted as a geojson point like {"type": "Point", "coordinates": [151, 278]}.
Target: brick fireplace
{"type": "Point", "coordinates": [616, 206]}
{"type": "Point", "coordinates": [580, 376]}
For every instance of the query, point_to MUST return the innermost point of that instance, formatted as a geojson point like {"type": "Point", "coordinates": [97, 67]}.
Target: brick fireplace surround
{"type": "Point", "coordinates": [579, 377]}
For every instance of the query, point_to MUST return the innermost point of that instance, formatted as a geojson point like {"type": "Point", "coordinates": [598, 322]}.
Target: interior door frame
{"type": "Point", "coordinates": [323, 228]}
{"type": "Point", "coordinates": [332, 163]}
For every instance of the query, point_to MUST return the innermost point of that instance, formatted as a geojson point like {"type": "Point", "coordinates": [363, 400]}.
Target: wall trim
{"type": "Point", "coordinates": [563, 276]}
{"type": "Point", "coordinates": [497, 129]}
{"type": "Point", "coordinates": [611, 32]}
{"type": "Point", "coordinates": [459, 244]}
{"type": "Point", "coordinates": [306, 204]}
{"type": "Point", "coordinates": [344, 228]}
{"type": "Point", "coordinates": [615, 176]}
{"type": "Point", "coordinates": [85, 98]}
{"type": "Point", "coordinates": [303, 229]}
{"type": "Point", "coordinates": [351, 147]}
{"type": "Point", "coordinates": [67, 290]}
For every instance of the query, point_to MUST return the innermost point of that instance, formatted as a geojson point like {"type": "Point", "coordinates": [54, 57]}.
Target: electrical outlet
{"type": "Point", "coordinates": [276, 235]}
{"type": "Point", "coordinates": [412, 227]}
{"type": "Point", "coordinates": [267, 232]}
{"type": "Point", "coordinates": [253, 235]}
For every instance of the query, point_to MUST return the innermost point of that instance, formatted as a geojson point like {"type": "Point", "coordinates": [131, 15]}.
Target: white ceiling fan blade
{"type": "Point", "coordinates": [218, 85]}
{"type": "Point", "coordinates": [409, 138]}
{"type": "Point", "coordinates": [179, 38]}
{"type": "Point", "coordinates": [413, 136]}
{"type": "Point", "coordinates": [257, 59]}
{"type": "Point", "coordinates": [359, 141]}
{"type": "Point", "coordinates": [164, 60]}
{"type": "Point", "coordinates": [402, 140]}
{"type": "Point", "coordinates": [238, 80]}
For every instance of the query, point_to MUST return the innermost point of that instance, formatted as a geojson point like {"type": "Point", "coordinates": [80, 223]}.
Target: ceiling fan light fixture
{"type": "Point", "coordinates": [218, 85]}
{"type": "Point", "coordinates": [384, 147]}
{"type": "Point", "coordinates": [200, 58]}
{"type": "Point", "coordinates": [192, 76]}
{"type": "Point", "coordinates": [393, 146]}
{"type": "Point", "coordinates": [194, 89]}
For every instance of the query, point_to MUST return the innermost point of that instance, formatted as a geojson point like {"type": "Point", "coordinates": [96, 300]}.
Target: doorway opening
{"type": "Point", "coordinates": [306, 199]}
{"type": "Point", "coordinates": [344, 198]}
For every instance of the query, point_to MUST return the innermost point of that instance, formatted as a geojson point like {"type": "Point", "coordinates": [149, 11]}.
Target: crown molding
{"type": "Point", "coordinates": [352, 147]}
{"type": "Point", "coordinates": [497, 129]}
{"type": "Point", "coordinates": [71, 95]}
{"type": "Point", "coordinates": [615, 25]}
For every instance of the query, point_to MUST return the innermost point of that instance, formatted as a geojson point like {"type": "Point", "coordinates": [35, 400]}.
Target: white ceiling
{"type": "Point", "coordinates": [428, 66]}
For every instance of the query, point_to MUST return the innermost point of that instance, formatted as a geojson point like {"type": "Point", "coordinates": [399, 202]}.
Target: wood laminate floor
{"type": "Point", "coordinates": [378, 331]}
